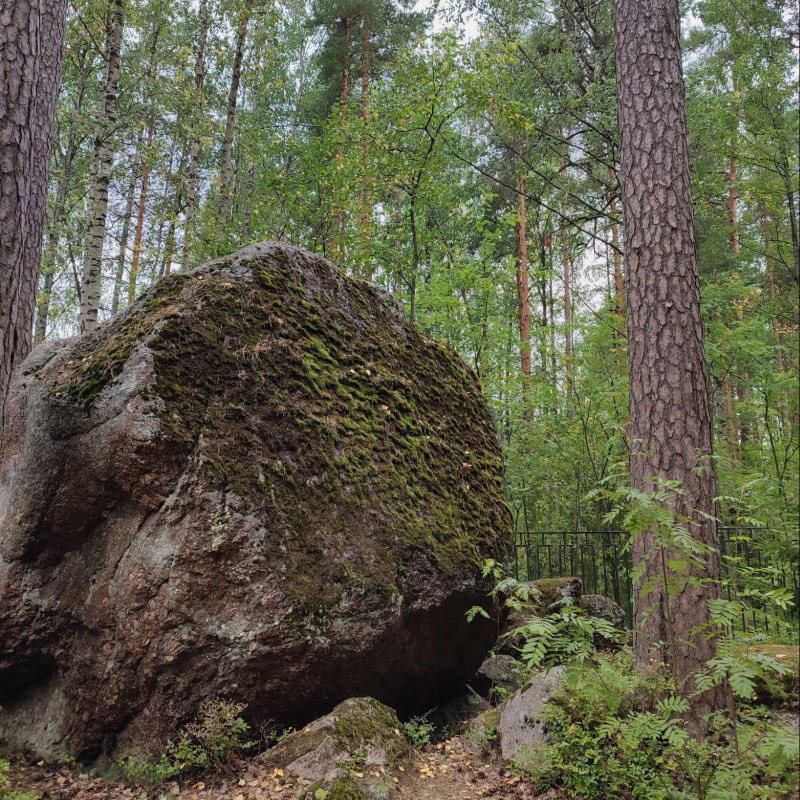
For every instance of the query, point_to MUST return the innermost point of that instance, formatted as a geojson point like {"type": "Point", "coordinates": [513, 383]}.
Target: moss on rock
{"type": "Point", "coordinates": [318, 406]}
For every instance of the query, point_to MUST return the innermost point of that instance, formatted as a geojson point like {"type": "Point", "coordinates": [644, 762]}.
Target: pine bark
{"type": "Point", "coordinates": [194, 155]}
{"type": "Point", "coordinates": [670, 421]}
{"type": "Point", "coordinates": [31, 48]}
{"type": "Point", "coordinates": [226, 167]}
{"type": "Point", "coordinates": [102, 161]}
{"type": "Point", "coordinates": [523, 286]}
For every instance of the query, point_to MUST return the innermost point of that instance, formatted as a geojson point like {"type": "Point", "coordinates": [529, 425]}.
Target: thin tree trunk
{"type": "Point", "coordinates": [59, 207]}
{"type": "Point", "coordinates": [567, 267]}
{"type": "Point", "coordinates": [102, 161]}
{"type": "Point", "coordinates": [145, 161]}
{"type": "Point", "coordinates": [619, 285]}
{"type": "Point", "coordinates": [398, 278]}
{"type": "Point", "coordinates": [126, 227]}
{"type": "Point", "coordinates": [194, 155]}
{"type": "Point", "coordinates": [31, 47]}
{"type": "Point", "coordinates": [340, 241]}
{"type": "Point", "coordinates": [670, 422]}
{"type": "Point", "coordinates": [523, 287]}
{"type": "Point", "coordinates": [366, 197]}
{"type": "Point", "coordinates": [233, 97]}
{"type": "Point", "coordinates": [137, 238]}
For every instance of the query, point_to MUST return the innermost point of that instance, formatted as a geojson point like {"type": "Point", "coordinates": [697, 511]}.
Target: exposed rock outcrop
{"type": "Point", "coordinates": [258, 483]}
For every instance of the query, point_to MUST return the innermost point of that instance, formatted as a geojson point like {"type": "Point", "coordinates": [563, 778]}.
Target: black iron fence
{"type": "Point", "coordinates": [752, 558]}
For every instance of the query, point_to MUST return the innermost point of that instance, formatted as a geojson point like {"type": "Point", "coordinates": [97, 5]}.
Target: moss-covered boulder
{"type": "Point", "coordinates": [259, 483]}
{"type": "Point", "coordinates": [350, 753]}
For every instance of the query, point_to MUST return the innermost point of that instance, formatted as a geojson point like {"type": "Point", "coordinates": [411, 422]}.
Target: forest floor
{"type": "Point", "coordinates": [445, 771]}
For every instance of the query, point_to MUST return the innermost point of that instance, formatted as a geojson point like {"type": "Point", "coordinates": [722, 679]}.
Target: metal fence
{"type": "Point", "coordinates": [602, 560]}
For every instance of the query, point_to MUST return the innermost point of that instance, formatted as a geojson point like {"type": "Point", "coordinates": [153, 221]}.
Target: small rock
{"type": "Point", "coordinates": [359, 731]}
{"type": "Point", "coordinates": [522, 722]}
{"type": "Point", "coordinates": [501, 672]}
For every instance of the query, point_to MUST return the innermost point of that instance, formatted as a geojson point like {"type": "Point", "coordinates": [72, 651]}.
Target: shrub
{"type": "Point", "coordinates": [419, 730]}
{"type": "Point", "coordinates": [210, 743]}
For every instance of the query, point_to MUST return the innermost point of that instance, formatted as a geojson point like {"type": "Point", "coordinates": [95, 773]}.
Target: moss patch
{"type": "Point", "coordinates": [312, 406]}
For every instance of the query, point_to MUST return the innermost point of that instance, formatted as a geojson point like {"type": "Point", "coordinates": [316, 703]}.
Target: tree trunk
{"type": "Point", "coordinates": [194, 155]}
{"type": "Point", "coordinates": [523, 287]}
{"type": "Point", "coordinates": [233, 97]}
{"type": "Point", "coordinates": [366, 197]}
{"type": "Point", "coordinates": [619, 285]}
{"type": "Point", "coordinates": [31, 47]}
{"type": "Point", "coordinates": [670, 422]}
{"type": "Point", "coordinates": [59, 207]}
{"type": "Point", "coordinates": [145, 161]}
{"type": "Point", "coordinates": [102, 161]}
{"type": "Point", "coordinates": [126, 227]}
{"type": "Point", "coordinates": [567, 278]}
{"type": "Point", "coordinates": [137, 238]}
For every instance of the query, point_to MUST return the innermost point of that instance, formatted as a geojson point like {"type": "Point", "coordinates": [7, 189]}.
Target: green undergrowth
{"type": "Point", "coordinates": [210, 744]}
{"type": "Point", "coordinates": [319, 412]}
{"type": "Point", "coordinates": [619, 733]}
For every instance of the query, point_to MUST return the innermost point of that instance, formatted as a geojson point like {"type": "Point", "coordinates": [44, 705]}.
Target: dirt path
{"type": "Point", "coordinates": [438, 772]}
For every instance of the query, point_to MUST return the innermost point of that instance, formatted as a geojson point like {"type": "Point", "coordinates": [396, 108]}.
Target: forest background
{"type": "Point", "coordinates": [470, 170]}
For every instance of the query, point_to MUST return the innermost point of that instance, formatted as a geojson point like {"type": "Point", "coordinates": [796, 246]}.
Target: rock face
{"type": "Point", "coordinates": [522, 723]}
{"type": "Point", "coordinates": [345, 754]}
{"type": "Point", "coordinates": [257, 483]}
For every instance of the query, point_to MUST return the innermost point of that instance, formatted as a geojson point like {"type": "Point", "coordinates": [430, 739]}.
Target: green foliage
{"type": "Point", "coordinates": [617, 733]}
{"type": "Point", "coordinates": [210, 743]}
{"type": "Point", "coordinates": [419, 730]}
{"type": "Point", "coordinates": [559, 634]}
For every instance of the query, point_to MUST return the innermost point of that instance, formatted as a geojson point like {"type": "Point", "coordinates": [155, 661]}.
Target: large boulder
{"type": "Point", "coordinates": [259, 483]}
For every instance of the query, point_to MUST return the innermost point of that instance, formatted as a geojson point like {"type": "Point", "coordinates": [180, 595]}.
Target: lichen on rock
{"type": "Point", "coordinates": [259, 476]}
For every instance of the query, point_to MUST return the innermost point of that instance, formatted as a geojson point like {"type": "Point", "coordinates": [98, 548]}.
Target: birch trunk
{"type": "Point", "coordinates": [226, 167]}
{"type": "Point", "coordinates": [59, 207]}
{"type": "Point", "coordinates": [102, 161]}
{"type": "Point", "coordinates": [194, 154]}
{"type": "Point", "coordinates": [123, 241]}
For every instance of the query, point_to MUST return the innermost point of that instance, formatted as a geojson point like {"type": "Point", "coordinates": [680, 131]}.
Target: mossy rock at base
{"type": "Point", "coordinates": [349, 753]}
{"type": "Point", "coordinates": [481, 737]}
{"type": "Point", "coordinates": [260, 483]}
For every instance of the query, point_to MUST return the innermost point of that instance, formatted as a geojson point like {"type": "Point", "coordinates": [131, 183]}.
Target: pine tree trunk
{"type": "Point", "coordinates": [31, 46]}
{"type": "Point", "coordinates": [102, 161]}
{"type": "Point", "coordinates": [226, 167]}
{"type": "Point", "coordinates": [670, 422]}
{"type": "Point", "coordinates": [194, 155]}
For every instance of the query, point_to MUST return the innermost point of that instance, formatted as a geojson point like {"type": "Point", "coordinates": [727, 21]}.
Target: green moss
{"type": "Point", "coordinates": [319, 415]}
{"type": "Point", "coordinates": [345, 788]}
